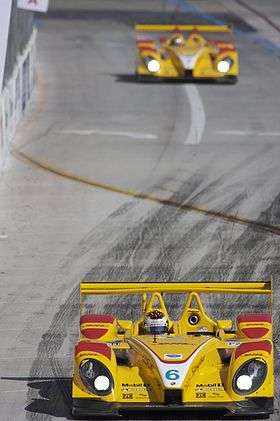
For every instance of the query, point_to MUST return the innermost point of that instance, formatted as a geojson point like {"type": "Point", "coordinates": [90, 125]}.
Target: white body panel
{"type": "Point", "coordinates": [189, 61]}
{"type": "Point", "coordinates": [173, 374]}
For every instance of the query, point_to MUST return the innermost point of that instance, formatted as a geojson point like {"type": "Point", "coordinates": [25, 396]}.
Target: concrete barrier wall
{"type": "Point", "coordinates": [21, 28]}
{"type": "Point", "coordinates": [16, 96]}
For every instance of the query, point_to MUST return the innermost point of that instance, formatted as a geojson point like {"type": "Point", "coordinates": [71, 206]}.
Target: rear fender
{"type": "Point", "coordinates": [254, 326]}
{"type": "Point", "coordinates": [98, 327]}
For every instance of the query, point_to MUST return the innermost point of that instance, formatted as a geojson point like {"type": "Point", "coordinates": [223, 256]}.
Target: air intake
{"type": "Point", "coordinates": [173, 397]}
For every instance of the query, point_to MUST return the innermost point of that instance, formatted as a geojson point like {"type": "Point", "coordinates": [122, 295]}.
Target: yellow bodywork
{"type": "Point", "coordinates": [197, 55]}
{"type": "Point", "coordinates": [209, 352]}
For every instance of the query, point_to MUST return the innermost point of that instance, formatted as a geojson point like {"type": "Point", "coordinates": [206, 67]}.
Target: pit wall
{"type": "Point", "coordinates": [16, 96]}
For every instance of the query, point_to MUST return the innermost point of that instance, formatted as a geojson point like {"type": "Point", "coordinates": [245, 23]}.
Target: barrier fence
{"type": "Point", "coordinates": [16, 96]}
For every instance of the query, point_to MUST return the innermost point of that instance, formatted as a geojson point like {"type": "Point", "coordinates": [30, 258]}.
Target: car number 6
{"type": "Point", "coordinates": [172, 375]}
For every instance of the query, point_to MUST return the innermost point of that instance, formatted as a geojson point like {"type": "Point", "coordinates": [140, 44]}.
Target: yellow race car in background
{"type": "Point", "coordinates": [156, 363]}
{"type": "Point", "coordinates": [188, 52]}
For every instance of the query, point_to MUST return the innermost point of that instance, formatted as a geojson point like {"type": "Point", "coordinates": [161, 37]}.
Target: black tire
{"type": "Point", "coordinates": [227, 80]}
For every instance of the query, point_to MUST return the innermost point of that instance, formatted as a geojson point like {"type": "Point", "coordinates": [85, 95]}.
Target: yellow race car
{"type": "Point", "coordinates": [155, 363]}
{"type": "Point", "coordinates": [188, 52]}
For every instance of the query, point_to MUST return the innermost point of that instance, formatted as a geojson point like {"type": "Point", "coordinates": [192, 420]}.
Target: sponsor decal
{"type": "Point", "coordinates": [172, 356]}
{"type": "Point", "coordinates": [136, 387]}
{"type": "Point", "coordinates": [147, 363]}
{"type": "Point", "coordinates": [203, 329]}
{"type": "Point", "coordinates": [213, 387]}
{"type": "Point", "coordinates": [147, 385]}
{"type": "Point", "coordinates": [210, 385]}
{"type": "Point", "coordinates": [215, 394]}
{"type": "Point", "coordinates": [34, 5]}
{"type": "Point", "coordinates": [200, 395]}
{"type": "Point", "coordinates": [233, 342]}
{"type": "Point", "coordinates": [127, 395]}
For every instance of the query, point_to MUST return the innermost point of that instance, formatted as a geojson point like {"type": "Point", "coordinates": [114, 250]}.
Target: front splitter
{"type": "Point", "coordinates": [258, 408]}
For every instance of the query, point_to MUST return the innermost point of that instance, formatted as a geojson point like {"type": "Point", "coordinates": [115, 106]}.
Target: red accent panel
{"type": "Point", "coordinates": [97, 318]}
{"type": "Point", "coordinates": [223, 46]}
{"type": "Point", "coordinates": [146, 48]}
{"type": "Point", "coordinates": [254, 317]}
{"type": "Point", "coordinates": [223, 50]}
{"type": "Point", "coordinates": [255, 332]}
{"type": "Point", "coordinates": [92, 333]}
{"type": "Point", "coordinates": [145, 41]}
{"type": "Point", "coordinates": [253, 346]}
{"type": "Point", "coordinates": [102, 349]}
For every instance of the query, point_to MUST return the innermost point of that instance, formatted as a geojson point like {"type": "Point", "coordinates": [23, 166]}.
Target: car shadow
{"type": "Point", "coordinates": [46, 395]}
{"type": "Point", "coordinates": [133, 78]}
{"type": "Point", "coordinates": [52, 396]}
{"type": "Point", "coordinates": [190, 415]}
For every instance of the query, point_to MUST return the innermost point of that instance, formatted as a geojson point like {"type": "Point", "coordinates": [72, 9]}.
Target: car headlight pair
{"type": "Point", "coordinates": [96, 377]}
{"type": "Point", "coordinates": [249, 377]}
{"type": "Point", "coordinates": [152, 64]}
{"type": "Point", "coordinates": [224, 65]}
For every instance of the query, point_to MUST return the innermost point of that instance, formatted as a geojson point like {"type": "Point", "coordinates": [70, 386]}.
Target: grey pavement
{"type": "Point", "coordinates": [212, 146]}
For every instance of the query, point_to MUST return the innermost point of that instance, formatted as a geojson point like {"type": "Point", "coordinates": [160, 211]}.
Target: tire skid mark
{"type": "Point", "coordinates": [130, 245]}
{"type": "Point", "coordinates": [194, 236]}
{"type": "Point", "coordinates": [48, 348]}
{"type": "Point", "coordinates": [245, 163]}
{"type": "Point", "coordinates": [160, 224]}
{"type": "Point", "coordinates": [243, 256]}
{"type": "Point", "coordinates": [259, 14]}
{"type": "Point", "coordinates": [154, 233]}
{"type": "Point", "coordinates": [143, 196]}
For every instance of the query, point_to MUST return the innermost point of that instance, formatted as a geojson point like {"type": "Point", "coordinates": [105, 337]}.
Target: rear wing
{"type": "Point", "coordinates": [175, 287]}
{"type": "Point", "coordinates": [172, 28]}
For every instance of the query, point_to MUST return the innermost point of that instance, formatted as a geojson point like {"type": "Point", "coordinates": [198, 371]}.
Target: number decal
{"type": "Point", "coordinates": [172, 375]}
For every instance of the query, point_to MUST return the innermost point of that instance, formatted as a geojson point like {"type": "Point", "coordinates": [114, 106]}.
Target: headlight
{"type": "Point", "coordinates": [96, 377]}
{"type": "Point", "coordinates": [101, 383]}
{"type": "Point", "coordinates": [224, 65]}
{"type": "Point", "coordinates": [249, 377]}
{"type": "Point", "coordinates": [152, 64]}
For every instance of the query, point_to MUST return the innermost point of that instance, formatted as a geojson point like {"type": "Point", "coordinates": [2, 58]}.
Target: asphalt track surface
{"type": "Point", "coordinates": [113, 180]}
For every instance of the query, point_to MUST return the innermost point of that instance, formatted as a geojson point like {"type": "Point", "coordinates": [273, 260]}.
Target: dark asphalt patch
{"type": "Point", "coordinates": [133, 17]}
{"type": "Point", "coordinates": [155, 232]}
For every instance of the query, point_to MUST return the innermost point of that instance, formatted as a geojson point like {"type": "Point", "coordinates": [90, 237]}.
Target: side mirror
{"type": "Point", "coordinates": [224, 325]}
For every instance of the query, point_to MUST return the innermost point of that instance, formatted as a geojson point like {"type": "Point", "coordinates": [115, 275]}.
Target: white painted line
{"type": "Point", "coordinates": [13, 391]}
{"type": "Point", "coordinates": [20, 329]}
{"type": "Point", "coordinates": [89, 132]}
{"type": "Point", "coordinates": [269, 134]}
{"type": "Point", "coordinates": [198, 118]}
{"type": "Point", "coordinates": [28, 301]}
{"type": "Point", "coordinates": [246, 133]}
{"type": "Point", "coordinates": [234, 132]}
{"type": "Point", "coordinates": [31, 357]}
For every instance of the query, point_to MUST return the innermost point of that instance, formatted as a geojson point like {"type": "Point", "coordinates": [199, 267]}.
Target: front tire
{"type": "Point", "coordinates": [228, 80]}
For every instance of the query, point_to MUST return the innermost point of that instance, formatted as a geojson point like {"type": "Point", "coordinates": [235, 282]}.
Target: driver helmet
{"type": "Point", "coordinates": [155, 322]}
{"type": "Point", "coordinates": [177, 40]}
